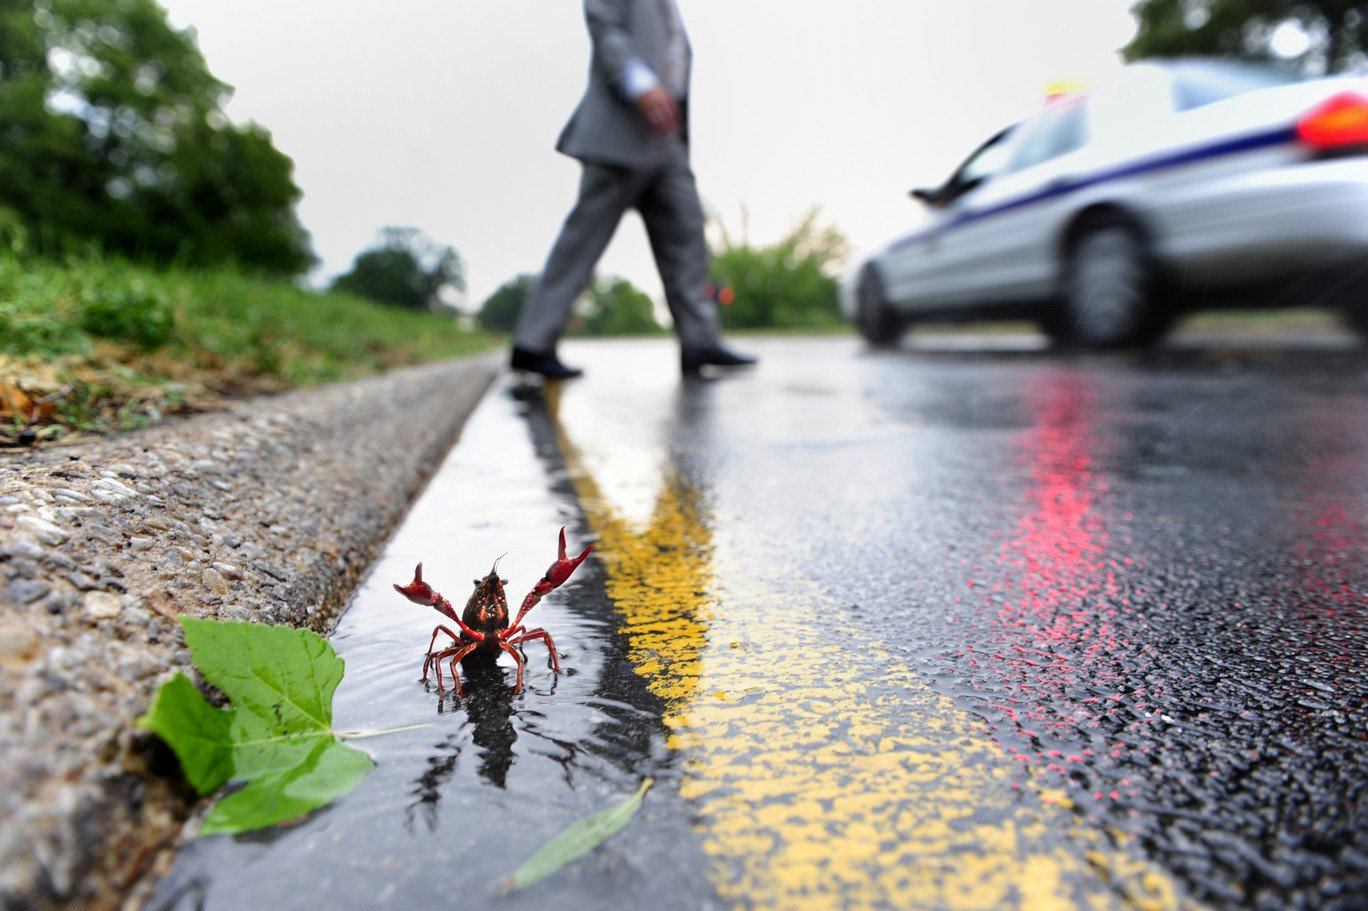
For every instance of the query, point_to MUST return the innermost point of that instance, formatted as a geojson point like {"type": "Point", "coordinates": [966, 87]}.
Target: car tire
{"type": "Point", "coordinates": [1354, 307]}
{"type": "Point", "coordinates": [1109, 290]}
{"type": "Point", "coordinates": [875, 318]}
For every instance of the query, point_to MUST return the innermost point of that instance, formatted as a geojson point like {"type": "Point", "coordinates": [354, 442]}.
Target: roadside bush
{"type": "Point", "coordinates": [787, 285]}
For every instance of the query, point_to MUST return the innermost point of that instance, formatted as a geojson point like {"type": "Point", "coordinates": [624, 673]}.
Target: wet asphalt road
{"type": "Point", "coordinates": [942, 627]}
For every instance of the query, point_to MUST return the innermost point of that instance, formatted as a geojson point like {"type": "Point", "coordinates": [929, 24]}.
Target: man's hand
{"type": "Point", "coordinates": [659, 109]}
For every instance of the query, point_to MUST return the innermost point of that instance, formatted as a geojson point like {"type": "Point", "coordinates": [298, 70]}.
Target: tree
{"type": "Point", "coordinates": [787, 285]}
{"type": "Point", "coordinates": [114, 134]}
{"type": "Point", "coordinates": [499, 312]}
{"type": "Point", "coordinates": [614, 306]}
{"type": "Point", "coordinates": [1336, 31]}
{"type": "Point", "coordinates": [406, 268]}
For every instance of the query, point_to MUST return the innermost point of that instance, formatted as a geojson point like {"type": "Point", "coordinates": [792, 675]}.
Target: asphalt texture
{"type": "Point", "coordinates": [940, 627]}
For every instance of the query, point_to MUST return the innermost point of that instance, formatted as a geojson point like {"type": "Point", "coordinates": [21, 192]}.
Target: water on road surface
{"type": "Point", "coordinates": [915, 629]}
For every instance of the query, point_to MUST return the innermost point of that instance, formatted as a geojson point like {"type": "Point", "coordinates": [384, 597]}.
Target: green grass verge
{"type": "Point", "coordinates": [102, 344]}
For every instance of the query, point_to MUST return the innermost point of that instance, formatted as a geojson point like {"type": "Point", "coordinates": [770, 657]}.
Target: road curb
{"type": "Point", "coordinates": [270, 510]}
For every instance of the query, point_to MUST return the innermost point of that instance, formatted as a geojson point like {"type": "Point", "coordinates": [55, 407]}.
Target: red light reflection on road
{"type": "Point", "coordinates": [1052, 655]}
{"type": "Point", "coordinates": [1329, 548]}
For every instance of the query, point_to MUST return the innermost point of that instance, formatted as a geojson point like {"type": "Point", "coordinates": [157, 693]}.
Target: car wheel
{"type": "Point", "coordinates": [1354, 308]}
{"type": "Point", "coordinates": [877, 321]}
{"type": "Point", "coordinates": [1108, 290]}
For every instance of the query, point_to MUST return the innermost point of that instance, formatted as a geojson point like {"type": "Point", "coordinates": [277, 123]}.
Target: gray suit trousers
{"type": "Point", "coordinates": [666, 196]}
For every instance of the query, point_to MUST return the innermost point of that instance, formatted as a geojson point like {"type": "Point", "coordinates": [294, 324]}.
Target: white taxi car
{"type": "Point", "coordinates": [1185, 183]}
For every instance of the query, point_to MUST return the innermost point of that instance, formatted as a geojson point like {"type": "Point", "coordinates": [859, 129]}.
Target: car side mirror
{"type": "Point", "coordinates": [934, 197]}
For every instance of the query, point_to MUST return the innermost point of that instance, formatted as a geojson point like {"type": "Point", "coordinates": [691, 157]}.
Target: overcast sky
{"type": "Point", "coordinates": [442, 114]}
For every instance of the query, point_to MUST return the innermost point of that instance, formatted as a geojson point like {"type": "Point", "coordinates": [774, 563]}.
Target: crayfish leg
{"type": "Point", "coordinates": [529, 634]}
{"type": "Point", "coordinates": [456, 653]}
{"type": "Point", "coordinates": [455, 641]}
{"type": "Point", "coordinates": [517, 688]}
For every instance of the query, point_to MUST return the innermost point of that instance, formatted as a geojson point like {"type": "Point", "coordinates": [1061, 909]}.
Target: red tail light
{"type": "Point", "coordinates": [1340, 122]}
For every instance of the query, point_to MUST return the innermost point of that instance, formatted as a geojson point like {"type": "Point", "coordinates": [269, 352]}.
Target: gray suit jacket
{"type": "Point", "coordinates": [606, 128]}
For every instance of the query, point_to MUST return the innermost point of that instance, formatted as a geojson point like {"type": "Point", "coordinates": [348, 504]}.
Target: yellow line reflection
{"type": "Point", "coordinates": [815, 789]}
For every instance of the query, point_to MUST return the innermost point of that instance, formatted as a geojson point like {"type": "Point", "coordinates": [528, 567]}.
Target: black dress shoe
{"type": "Point", "coordinates": [548, 365]}
{"type": "Point", "coordinates": [693, 360]}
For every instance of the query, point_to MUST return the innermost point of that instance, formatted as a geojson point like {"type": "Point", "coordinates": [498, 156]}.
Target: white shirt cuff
{"type": "Point", "coordinates": [637, 79]}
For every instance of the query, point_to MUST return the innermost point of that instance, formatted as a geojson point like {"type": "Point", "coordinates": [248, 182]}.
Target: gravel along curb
{"type": "Point", "coordinates": [269, 511]}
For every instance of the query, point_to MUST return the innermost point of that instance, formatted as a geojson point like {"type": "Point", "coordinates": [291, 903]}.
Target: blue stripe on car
{"type": "Point", "coordinates": [1248, 143]}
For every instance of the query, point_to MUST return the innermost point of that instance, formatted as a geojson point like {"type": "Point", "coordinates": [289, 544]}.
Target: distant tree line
{"type": "Point", "coordinates": [112, 134]}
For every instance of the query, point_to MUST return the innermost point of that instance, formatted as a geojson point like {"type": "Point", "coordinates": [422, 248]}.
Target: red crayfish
{"type": "Point", "coordinates": [484, 623]}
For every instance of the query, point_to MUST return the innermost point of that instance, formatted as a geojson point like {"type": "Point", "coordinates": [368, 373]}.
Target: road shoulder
{"type": "Point", "coordinates": [269, 511]}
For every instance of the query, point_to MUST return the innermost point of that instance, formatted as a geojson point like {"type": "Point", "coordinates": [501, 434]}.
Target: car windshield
{"type": "Point", "coordinates": [1198, 83]}
{"type": "Point", "coordinates": [982, 163]}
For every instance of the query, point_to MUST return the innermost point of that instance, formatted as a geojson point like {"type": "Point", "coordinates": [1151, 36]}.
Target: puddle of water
{"type": "Point", "coordinates": [454, 807]}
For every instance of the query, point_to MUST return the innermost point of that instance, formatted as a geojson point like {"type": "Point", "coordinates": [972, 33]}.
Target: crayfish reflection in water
{"type": "Point", "coordinates": [484, 625]}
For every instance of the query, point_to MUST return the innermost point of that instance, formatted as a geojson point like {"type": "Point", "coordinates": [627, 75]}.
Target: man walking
{"type": "Point", "coordinates": [630, 134]}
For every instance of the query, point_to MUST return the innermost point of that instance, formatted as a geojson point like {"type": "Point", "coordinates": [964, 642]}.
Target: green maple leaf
{"type": "Point", "coordinates": [277, 737]}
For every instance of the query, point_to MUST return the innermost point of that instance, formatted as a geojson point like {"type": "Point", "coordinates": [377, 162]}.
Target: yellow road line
{"type": "Point", "coordinates": [814, 788]}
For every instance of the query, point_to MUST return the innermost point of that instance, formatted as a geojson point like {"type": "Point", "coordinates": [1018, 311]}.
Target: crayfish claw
{"type": "Point", "coordinates": [573, 561]}
{"type": "Point", "coordinates": [558, 572]}
{"type": "Point", "coordinates": [417, 591]}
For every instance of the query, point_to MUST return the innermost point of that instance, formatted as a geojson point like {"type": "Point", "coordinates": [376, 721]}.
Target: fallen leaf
{"type": "Point", "coordinates": [195, 730]}
{"type": "Point", "coordinates": [277, 737]}
{"type": "Point", "coordinates": [574, 842]}
{"type": "Point", "coordinates": [14, 402]}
